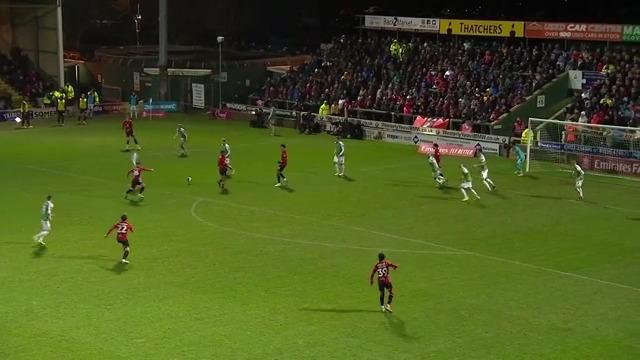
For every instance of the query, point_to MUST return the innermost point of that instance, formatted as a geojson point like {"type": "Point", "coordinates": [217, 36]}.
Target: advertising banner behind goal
{"type": "Point", "coordinates": [610, 165]}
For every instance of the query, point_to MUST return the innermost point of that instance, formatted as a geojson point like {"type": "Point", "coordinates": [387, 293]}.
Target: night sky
{"type": "Point", "coordinates": [110, 22]}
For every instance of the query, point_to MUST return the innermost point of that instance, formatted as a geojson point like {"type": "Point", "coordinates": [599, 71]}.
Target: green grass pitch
{"type": "Point", "coordinates": [268, 273]}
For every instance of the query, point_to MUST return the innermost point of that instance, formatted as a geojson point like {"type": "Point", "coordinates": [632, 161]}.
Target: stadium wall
{"type": "Point", "coordinates": [542, 104]}
{"type": "Point", "coordinates": [242, 78]}
{"type": "Point", "coordinates": [34, 31]}
{"type": "Point", "coordinates": [111, 75]}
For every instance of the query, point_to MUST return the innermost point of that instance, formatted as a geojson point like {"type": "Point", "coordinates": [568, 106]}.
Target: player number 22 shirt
{"type": "Point", "coordinates": [122, 229]}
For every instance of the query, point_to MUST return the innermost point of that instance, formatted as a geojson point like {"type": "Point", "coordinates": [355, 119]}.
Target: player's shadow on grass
{"type": "Point", "coordinates": [39, 252]}
{"type": "Point", "coordinates": [436, 197]}
{"type": "Point", "coordinates": [447, 189]}
{"type": "Point", "coordinates": [347, 178]}
{"type": "Point", "coordinates": [398, 327]}
{"type": "Point", "coordinates": [225, 191]}
{"type": "Point", "coordinates": [82, 257]}
{"type": "Point", "coordinates": [287, 189]}
{"type": "Point", "coordinates": [340, 311]}
{"type": "Point", "coordinates": [406, 184]}
{"type": "Point", "coordinates": [498, 195]}
{"type": "Point", "coordinates": [531, 176]}
{"type": "Point", "coordinates": [547, 197]}
{"type": "Point", "coordinates": [135, 202]}
{"type": "Point", "coordinates": [634, 219]}
{"type": "Point", "coordinates": [118, 268]}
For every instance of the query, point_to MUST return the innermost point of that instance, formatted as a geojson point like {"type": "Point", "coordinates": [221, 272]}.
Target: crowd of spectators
{"type": "Point", "coordinates": [615, 98]}
{"type": "Point", "coordinates": [476, 80]}
{"type": "Point", "coordinates": [19, 72]}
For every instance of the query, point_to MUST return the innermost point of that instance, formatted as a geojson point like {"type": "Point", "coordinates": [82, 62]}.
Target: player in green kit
{"type": "Point", "coordinates": [46, 214]}
{"type": "Point", "coordinates": [484, 170]}
{"type": "Point", "coordinates": [181, 133]}
{"type": "Point", "coordinates": [338, 157]}
{"type": "Point", "coordinates": [436, 171]}
{"type": "Point", "coordinates": [520, 158]}
{"type": "Point", "coordinates": [226, 150]}
{"type": "Point", "coordinates": [467, 184]}
{"type": "Point", "coordinates": [579, 175]}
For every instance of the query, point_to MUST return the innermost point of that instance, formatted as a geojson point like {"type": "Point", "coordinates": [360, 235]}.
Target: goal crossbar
{"type": "Point", "coordinates": [565, 123]}
{"type": "Point", "coordinates": [607, 149]}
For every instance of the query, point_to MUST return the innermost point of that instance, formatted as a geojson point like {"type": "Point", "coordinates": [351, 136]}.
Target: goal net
{"type": "Point", "coordinates": [612, 150]}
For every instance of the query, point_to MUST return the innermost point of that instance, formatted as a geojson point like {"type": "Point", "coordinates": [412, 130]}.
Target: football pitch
{"type": "Point", "coordinates": [262, 272]}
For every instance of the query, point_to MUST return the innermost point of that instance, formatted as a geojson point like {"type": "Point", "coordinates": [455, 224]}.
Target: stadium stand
{"type": "Point", "coordinates": [476, 80]}
{"type": "Point", "coordinates": [19, 77]}
{"type": "Point", "coordinates": [615, 98]}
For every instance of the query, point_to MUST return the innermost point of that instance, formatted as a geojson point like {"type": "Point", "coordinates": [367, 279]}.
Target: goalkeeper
{"type": "Point", "coordinates": [520, 158]}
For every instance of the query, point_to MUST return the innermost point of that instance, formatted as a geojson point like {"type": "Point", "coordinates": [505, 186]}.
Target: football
{"type": "Point", "coordinates": [18, 120]}
{"type": "Point", "coordinates": [189, 180]}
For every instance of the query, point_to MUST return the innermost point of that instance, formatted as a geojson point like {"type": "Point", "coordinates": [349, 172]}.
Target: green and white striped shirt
{"type": "Point", "coordinates": [466, 175]}
{"type": "Point", "coordinates": [46, 212]}
{"type": "Point", "coordinates": [578, 172]}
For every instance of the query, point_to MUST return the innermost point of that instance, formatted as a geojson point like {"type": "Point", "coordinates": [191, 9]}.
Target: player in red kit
{"type": "Point", "coordinates": [122, 229]}
{"type": "Point", "coordinates": [282, 164]}
{"type": "Point", "coordinates": [382, 268]}
{"type": "Point", "coordinates": [436, 154]}
{"type": "Point", "coordinates": [223, 167]}
{"type": "Point", "coordinates": [127, 126]}
{"type": "Point", "coordinates": [136, 182]}
{"type": "Point", "coordinates": [438, 174]}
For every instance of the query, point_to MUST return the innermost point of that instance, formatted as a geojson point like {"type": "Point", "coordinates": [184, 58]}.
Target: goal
{"type": "Point", "coordinates": [604, 149]}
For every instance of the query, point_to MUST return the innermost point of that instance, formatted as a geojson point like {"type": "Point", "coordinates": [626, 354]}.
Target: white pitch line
{"type": "Point", "coordinates": [214, 150]}
{"type": "Point", "coordinates": [450, 248]}
{"type": "Point", "coordinates": [195, 215]}
{"type": "Point", "coordinates": [66, 173]}
{"type": "Point", "coordinates": [621, 208]}
{"type": "Point", "coordinates": [579, 202]}
{"type": "Point", "coordinates": [495, 258]}
{"type": "Point", "coordinates": [351, 227]}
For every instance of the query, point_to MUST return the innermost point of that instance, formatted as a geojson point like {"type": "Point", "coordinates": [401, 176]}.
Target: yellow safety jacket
{"type": "Point", "coordinates": [61, 105]}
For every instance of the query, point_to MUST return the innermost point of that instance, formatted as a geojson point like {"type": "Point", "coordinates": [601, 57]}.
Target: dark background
{"type": "Point", "coordinates": [92, 23]}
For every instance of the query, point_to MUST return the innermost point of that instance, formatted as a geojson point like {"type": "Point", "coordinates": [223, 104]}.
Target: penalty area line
{"type": "Point", "coordinates": [195, 215]}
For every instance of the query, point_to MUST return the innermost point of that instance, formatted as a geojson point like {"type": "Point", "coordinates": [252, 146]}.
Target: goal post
{"type": "Point", "coordinates": [605, 149]}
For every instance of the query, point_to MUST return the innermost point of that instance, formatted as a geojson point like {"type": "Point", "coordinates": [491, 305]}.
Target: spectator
{"type": "Point", "coordinates": [518, 128]}
{"type": "Point", "coordinates": [19, 72]}
{"type": "Point", "coordinates": [467, 127]}
{"type": "Point", "coordinates": [478, 80]}
{"type": "Point", "coordinates": [613, 99]}
{"type": "Point", "coordinates": [335, 109]}
{"type": "Point", "coordinates": [583, 117]}
{"type": "Point", "coordinates": [324, 109]}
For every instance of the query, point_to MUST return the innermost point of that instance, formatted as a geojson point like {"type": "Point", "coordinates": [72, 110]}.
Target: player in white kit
{"type": "Point", "coordinates": [467, 184]}
{"type": "Point", "coordinates": [579, 174]}
{"type": "Point", "coordinates": [484, 170]}
{"type": "Point", "coordinates": [226, 149]}
{"type": "Point", "coordinates": [181, 133]}
{"type": "Point", "coordinates": [46, 213]}
{"type": "Point", "coordinates": [436, 171]}
{"type": "Point", "coordinates": [338, 157]}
